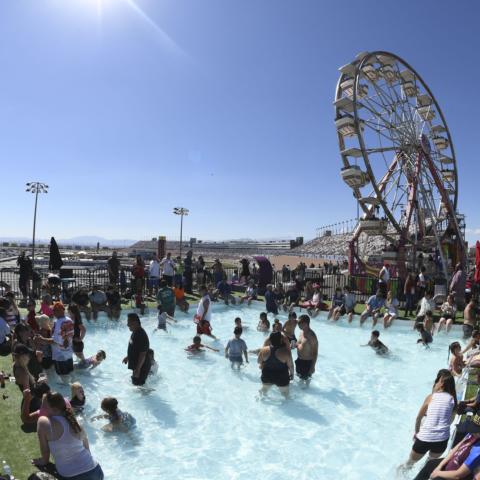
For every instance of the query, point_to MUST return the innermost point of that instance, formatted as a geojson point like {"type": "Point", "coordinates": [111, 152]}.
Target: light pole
{"type": "Point", "coordinates": [182, 212]}
{"type": "Point", "coordinates": [36, 188]}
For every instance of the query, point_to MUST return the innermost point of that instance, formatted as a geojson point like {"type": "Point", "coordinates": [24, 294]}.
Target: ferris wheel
{"type": "Point", "coordinates": [399, 161]}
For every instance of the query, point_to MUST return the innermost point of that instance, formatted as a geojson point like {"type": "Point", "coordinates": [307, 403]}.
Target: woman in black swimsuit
{"type": "Point", "coordinates": [276, 364]}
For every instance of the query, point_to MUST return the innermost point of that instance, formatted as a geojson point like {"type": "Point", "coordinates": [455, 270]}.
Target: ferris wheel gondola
{"type": "Point", "coordinates": [398, 159]}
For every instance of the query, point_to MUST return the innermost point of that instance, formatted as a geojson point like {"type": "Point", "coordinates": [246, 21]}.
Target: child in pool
{"type": "Point", "coordinates": [119, 421]}
{"type": "Point", "coordinates": [153, 363]}
{"type": "Point", "coordinates": [236, 348]}
{"type": "Point", "coordinates": [263, 323]}
{"type": "Point", "coordinates": [238, 323]}
{"type": "Point", "coordinates": [425, 336]}
{"type": "Point", "coordinates": [77, 399]}
{"type": "Point", "coordinates": [204, 328]}
{"type": "Point", "coordinates": [456, 363]}
{"type": "Point", "coordinates": [374, 342]}
{"type": "Point", "coordinates": [93, 361]}
{"type": "Point", "coordinates": [163, 318]}
{"type": "Point", "coordinates": [197, 346]}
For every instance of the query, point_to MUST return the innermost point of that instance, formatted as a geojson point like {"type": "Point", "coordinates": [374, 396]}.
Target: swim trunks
{"type": "Point", "coordinates": [236, 359]}
{"type": "Point", "coordinates": [303, 368]}
{"type": "Point", "coordinates": [467, 330]}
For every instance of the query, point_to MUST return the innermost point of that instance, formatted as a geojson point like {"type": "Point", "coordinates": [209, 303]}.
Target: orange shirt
{"type": "Point", "coordinates": [179, 293]}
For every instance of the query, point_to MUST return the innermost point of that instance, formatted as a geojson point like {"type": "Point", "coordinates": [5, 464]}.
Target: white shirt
{"type": "Point", "coordinates": [392, 306]}
{"type": "Point", "coordinates": [201, 309]}
{"type": "Point", "coordinates": [168, 267]}
{"type": "Point", "coordinates": [436, 425]}
{"type": "Point", "coordinates": [425, 306]}
{"type": "Point", "coordinates": [384, 275]}
{"type": "Point", "coordinates": [4, 329]}
{"type": "Point", "coordinates": [154, 268]}
{"type": "Point", "coordinates": [62, 329]}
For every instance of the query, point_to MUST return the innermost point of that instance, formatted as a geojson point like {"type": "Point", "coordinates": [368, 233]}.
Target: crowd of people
{"type": "Point", "coordinates": [51, 336]}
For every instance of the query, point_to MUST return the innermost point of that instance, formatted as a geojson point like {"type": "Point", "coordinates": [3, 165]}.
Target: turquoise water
{"type": "Point", "coordinates": [198, 419]}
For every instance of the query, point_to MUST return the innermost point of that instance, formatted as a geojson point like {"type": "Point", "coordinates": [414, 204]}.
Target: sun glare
{"type": "Point", "coordinates": [100, 9]}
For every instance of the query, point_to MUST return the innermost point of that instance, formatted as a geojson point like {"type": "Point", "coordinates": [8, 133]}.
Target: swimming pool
{"type": "Point", "coordinates": [198, 419]}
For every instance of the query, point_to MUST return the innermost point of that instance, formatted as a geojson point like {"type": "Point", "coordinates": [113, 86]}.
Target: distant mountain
{"type": "Point", "coordinates": [93, 240]}
{"type": "Point", "coordinates": [80, 240]}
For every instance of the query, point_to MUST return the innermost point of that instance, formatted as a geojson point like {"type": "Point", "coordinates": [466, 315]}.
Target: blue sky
{"type": "Point", "coordinates": [225, 107]}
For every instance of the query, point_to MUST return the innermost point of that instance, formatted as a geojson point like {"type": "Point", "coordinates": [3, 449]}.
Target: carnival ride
{"type": "Point", "coordinates": [398, 159]}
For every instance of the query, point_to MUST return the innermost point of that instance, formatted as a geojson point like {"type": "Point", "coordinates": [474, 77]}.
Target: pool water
{"type": "Point", "coordinates": [199, 419]}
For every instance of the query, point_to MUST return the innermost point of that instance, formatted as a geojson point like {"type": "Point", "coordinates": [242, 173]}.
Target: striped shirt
{"type": "Point", "coordinates": [436, 425]}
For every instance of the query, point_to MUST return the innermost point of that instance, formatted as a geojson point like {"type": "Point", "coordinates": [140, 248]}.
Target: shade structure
{"type": "Point", "coordinates": [55, 262]}
{"type": "Point", "coordinates": [477, 262]}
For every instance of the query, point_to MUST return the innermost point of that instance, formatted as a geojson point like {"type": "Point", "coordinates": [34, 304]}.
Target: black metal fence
{"type": "Point", "coordinates": [73, 278]}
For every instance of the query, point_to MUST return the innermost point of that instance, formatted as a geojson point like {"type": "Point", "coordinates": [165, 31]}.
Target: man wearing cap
{"type": "Point", "coordinates": [62, 351]}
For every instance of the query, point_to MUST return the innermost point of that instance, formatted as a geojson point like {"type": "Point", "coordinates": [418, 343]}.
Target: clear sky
{"type": "Point", "coordinates": [128, 109]}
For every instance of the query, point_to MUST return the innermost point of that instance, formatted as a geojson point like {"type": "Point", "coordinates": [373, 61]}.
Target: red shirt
{"type": "Point", "coordinates": [31, 321]}
{"type": "Point", "coordinates": [204, 328]}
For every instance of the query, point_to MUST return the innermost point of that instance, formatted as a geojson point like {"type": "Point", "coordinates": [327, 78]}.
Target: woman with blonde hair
{"type": "Point", "coordinates": [391, 307]}
{"type": "Point", "coordinates": [77, 398]}
{"type": "Point", "coordinates": [61, 436]}
{"type": "Point", "coordinates": [45, 330]}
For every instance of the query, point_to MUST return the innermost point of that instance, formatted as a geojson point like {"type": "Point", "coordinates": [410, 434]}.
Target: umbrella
{"type": "Point", "coordinates": [55, 262]}
{"type": "Point", "coordinates": [477, 262]}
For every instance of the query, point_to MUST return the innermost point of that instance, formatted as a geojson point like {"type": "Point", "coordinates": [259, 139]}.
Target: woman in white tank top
{"type": "Point", "coordinates": [432, 426]}
{"type": "Point", "coordinates": [61, 436]}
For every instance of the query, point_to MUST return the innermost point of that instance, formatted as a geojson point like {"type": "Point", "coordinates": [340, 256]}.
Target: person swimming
{"type": "Point", "coordinates": [197, 346]}
{"type": "Point", "coordinates": [376, 344]}
{"type": "Point", "coordinates": [425, 336]}
{"type": "Point", "coordinates": [263, 323]}
{"type": "Point", "coordinates": [93, 361]}
{"type": "Point", "coordinates": [118, 420]}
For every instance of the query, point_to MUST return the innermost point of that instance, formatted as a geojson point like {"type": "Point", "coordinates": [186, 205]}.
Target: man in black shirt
{"type": "Point", "coordinates": [113, 266]}
{"type": "Point", "coordinates": [138, 346]}
{"type": "Point", "coordinates": [188, 272]}
{"type": "Point", "coordinates": [25, 270]}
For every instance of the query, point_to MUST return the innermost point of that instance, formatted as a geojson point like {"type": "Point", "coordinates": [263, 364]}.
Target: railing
{"type": "Point", "coordinates": [72, 278]}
